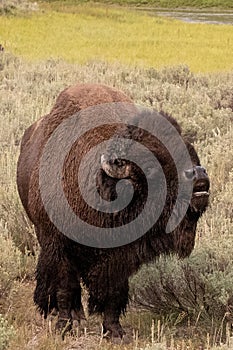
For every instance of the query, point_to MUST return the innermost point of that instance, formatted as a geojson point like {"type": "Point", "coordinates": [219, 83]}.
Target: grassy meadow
{"type": "Point", "coordinates": [176, 305]}
{"type": "Point", "coordinates": [82, 33]}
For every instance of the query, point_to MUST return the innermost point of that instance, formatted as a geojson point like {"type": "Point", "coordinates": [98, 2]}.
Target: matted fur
{"type": "Point", "coordinates": [63, 262]}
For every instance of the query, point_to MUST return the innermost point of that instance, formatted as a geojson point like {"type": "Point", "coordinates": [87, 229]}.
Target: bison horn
{"type": "Point", "coordinates": [116, 168]}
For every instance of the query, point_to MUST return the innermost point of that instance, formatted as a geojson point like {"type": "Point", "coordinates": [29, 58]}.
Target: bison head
{"type": "Point", "coordinates": [177, 178]}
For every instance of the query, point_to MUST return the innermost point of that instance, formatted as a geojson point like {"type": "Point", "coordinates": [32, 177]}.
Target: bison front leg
{"type": "Point", "coordinates": [70, 308]}
{"type": "Point", "coordinates": [108, 296]}
{"type": "Point", "coordinates": [115, 305]}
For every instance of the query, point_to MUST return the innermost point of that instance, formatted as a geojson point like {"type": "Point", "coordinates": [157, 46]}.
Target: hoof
{"type": "Point", "coordinates": [114, 333]}
{"type": "Point", "coordinates": [125, 340]}
{"type": "Point", "coordinates": [63, 326]}
{"type": "Point", "coordinates": [119, 340]}
{"type": "Point", "coordinates": [78, 322]}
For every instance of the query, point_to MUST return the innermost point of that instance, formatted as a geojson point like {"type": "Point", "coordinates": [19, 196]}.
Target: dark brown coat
{"type": "Point", "coordinates": [63, 262]}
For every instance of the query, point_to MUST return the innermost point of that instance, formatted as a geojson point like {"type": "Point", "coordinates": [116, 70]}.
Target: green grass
{"type": "Point", "coordinates": [222, 4]}
{"type": "Point", "coordinates": [117, 35]}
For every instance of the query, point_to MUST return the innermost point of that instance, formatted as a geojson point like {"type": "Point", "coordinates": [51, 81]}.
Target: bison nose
{"type": "Point", "coordinates": [199, 177]}
{"type": "Point", "coordinates": [200, 172]}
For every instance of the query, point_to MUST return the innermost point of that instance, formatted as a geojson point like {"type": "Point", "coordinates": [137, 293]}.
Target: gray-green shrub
{"type": "Point", "coordinates": [6, 333]}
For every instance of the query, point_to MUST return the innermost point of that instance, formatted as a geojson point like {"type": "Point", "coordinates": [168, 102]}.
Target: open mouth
{"type": "Point", "coordinates": [201, 194]}
{"type": "Point", "coordinates": [201, 189]}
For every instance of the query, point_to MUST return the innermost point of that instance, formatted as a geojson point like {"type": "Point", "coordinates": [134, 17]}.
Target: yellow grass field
{"type": "Point", "coordinates": [82, 33]}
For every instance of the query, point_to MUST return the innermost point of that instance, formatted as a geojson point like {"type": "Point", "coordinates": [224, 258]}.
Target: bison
{"type": "Point", "coordinates": [65, 261]}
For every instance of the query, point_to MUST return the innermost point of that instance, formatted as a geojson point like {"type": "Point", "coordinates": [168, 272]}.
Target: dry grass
{"type": "Point", "coordinates": [203, 105]}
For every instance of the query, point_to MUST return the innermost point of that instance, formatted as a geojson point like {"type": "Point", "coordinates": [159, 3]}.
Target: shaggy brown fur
{"type": "Point", "coordinates": [63, 262]}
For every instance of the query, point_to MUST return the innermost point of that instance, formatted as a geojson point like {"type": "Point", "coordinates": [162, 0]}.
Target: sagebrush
{"type": "Point", "coordinates": [199, 287]}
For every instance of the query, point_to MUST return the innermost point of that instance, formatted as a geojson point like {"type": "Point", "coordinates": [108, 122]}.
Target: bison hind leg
{"type": "Point", "coordinates": [44, 299]}
{"type": "Point", "coordinates": [58, 289]}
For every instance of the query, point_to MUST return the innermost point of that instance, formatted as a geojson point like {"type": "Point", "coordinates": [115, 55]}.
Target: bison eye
{"type": "Point", "coordinates": [122, 162]}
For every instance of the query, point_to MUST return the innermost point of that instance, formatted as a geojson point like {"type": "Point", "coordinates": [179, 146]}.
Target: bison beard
{"type": "Point", "coordinates": [63, 262]}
